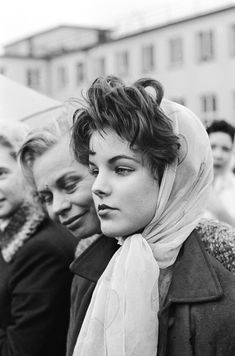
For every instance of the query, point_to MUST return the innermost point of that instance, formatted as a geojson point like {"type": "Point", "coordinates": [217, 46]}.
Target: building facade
{"type": "Point", "coordinates": [194, 58]}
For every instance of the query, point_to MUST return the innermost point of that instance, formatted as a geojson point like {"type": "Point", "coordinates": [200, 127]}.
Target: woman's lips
{"type": "Point", "coordinates": [74, 221]}
{"type": "Point", "coordinates": [104, 209]}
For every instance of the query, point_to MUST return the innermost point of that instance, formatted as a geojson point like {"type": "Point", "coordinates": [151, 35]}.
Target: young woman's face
{"type": "Point", "coordinates": [12, 188]}
{"type": "Point", "coordinates": [125, 191]}
{"type": "Point", "coordinates": [221, 145]}
{"type": "Point", "coordinates": [64, 187]}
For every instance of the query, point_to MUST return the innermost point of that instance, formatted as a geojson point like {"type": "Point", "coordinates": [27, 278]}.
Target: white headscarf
{"type": "Point", "coordinates": [122, 319]}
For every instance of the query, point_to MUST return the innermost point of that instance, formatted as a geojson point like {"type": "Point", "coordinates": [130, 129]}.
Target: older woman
{"type": "Point", "coordinates": [160, 293]}
{"type": "Point", "coordinates": [64, 188]}
{"type": "Point", "coordinates": [34, 263]}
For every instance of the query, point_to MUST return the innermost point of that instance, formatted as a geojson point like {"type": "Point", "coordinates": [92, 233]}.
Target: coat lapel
{"type": "Point", "coordinates": [194, 279]}
{"type": "Point", "coordinates": [93, 261]}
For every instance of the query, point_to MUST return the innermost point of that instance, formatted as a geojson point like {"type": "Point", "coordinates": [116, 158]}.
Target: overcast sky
{"type": "Point", "coordinates": [20, 18]}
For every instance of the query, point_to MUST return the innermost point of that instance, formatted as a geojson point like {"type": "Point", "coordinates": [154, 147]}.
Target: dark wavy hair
{"type": "Point", "coordinates": [221, 126]}
{"type": "Point", "coordinates": [133, 113]}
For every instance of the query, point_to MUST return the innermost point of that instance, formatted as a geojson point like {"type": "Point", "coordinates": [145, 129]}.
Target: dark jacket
{"type": "Point", "coordinates": [87, 268]}
{"type": "Point", "coordinates": [35, 294]}
{"type": "Point", "coordinates": [198, 316]}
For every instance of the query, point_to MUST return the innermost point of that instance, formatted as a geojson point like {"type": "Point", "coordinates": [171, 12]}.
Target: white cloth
{"type": "Point", "coordinates": [122, 319]}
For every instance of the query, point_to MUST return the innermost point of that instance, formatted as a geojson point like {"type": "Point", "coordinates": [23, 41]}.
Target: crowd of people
{"type": "Point", "coordinates": [117, 234]}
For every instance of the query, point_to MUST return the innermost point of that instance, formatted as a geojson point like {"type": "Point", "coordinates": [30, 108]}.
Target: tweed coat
{"type": "Point", "coordinates": [198, 315]}
{"type": "Point", "coordinates": [35, 294]}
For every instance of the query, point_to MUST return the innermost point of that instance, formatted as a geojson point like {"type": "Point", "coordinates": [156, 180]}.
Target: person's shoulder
{"type": "Point", "coordinates": [54, 233]}
{"type": "Point", "coordinates": [218, 239]}
{"type": "Point", "coordinates": [226, 280]}
{"type": "Point", "coordinates": [225, 277]}
{"type": "Point", "coordinates": [50, 239]}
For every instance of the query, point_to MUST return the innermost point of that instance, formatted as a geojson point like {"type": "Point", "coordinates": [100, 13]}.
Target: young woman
{"type": "Point", "coordinates": [160, 294]}
{"type": "Point", "coordinates": [35, 254]}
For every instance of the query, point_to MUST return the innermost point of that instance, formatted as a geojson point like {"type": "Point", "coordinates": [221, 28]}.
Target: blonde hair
{"type": "Point", "coordinates": [12, 136]}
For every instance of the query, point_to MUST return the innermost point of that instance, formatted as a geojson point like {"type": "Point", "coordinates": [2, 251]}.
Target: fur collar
{"type": "Point", "coordinates": [20, 228]}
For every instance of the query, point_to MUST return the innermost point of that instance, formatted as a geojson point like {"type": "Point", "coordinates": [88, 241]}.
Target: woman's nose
{"type": "Point", "coordinates": [60, 204]}
{"type": "Point", "coordinates": [217, 153]}
{"type": "Point", "coordinates": [101, 186]}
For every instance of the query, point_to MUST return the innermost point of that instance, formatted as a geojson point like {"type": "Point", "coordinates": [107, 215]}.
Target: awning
{"type": "Point", "coordinates": [20, 103]}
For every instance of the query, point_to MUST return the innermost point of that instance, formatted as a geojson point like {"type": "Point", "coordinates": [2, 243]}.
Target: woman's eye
{"type": "Point", "coordinates": [124, 171]}
{"type": "Point", "coordinates": [2, 173]}
{"type": "Point", "coordinates": [70, 188]}
{"type": "Point", "coordinates": [93, 171]}
{"type": "Point", "coordinates": [226, 149]}
{"type": "Point", "coordinates": [45, 198]}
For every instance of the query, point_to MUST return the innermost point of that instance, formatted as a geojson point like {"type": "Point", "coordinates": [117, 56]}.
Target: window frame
{"type": "Point", "coordinates": [122, 63]}
{"type": "Point", "coordinates": [80, 72]}
{"type": "Point", "coordinates": [206, 45]}
{"type": "Point", "coordinates": [62, 76]}
{"type": "Point", "coordinates": [176, 55]}
{"type": "Point", "coordinates": [209, 106]}
{"type": "Point", "coordinates": [33, 78]}
{"type": "Point", "coordinates": [148, 58]}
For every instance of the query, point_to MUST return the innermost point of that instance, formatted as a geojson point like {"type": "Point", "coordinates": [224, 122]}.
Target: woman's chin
{"type": "Point", "coordinates": [114, 233]}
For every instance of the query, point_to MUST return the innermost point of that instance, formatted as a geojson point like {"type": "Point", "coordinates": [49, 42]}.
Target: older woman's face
{"type": "Point", "coordinates": [64, 187]}
{"type": "Point", "coordinates": [12, 188]}
{"type": "Point", "coordinates": [125, 191]}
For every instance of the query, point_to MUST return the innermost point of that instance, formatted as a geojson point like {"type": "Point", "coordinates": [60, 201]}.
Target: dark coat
{"type": "Point", "coordinates": [87, 268]}
{"type": "Point", "coordinates": [35, 294]}
{"type": "Point", "coordinates": [198, 316]}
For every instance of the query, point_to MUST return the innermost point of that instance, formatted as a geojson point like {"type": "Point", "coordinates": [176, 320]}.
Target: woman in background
{"type": "Point", "coordinates": [35, 255]}
{"type": "Point", "coordinates": [221, 204]}
{"type": "Point", "coordinates": [160, 294]}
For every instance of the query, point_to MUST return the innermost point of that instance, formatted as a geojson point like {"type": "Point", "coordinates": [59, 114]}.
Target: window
{"type": "Point", "coordinates": [62, 77]}
{"type": "Point", "coordinates": [208, 107]}
{"type": "Point", "coordinates": [99, 66]}
{"type": "Point", "coordinates": [80, 73]}
{"type": "Point", "coordinates": [176, 51]}
{"type": "Point", "coordinates": [33, 78]}
{"type": "Point", "coordinates": [205, 46]}
{"type": "Point", "coordinates": [122, 61]}
{"type": "Point", "coordinates": [232, 40]}
{"type": "Point", "coordinates": [147, 58]}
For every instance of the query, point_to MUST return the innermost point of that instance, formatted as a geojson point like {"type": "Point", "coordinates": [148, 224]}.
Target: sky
{"type": "Point", "coordinates": [23, 18]}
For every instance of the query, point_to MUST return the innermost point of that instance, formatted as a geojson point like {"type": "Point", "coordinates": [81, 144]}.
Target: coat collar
{"type": "Point", "coordinates": [194, 278]}
{"type": "Point", "coordinates": [93, 261]}
{"type": "Point", "coordinates": [20, 227]}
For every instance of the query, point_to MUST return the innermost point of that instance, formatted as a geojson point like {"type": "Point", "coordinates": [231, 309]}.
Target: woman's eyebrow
{"type": "Point", "coordinates": [116, 158]}
{"type": "Point", "coordinates": [61, 180]}
{"type": "Point", "coordinates": [43, 190]}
